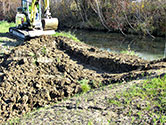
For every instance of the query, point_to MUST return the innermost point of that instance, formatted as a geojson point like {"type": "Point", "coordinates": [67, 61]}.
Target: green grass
{"type": "Point", "coordinates": [84, 85]}
{"type": "Point", "coordinates": [68, 35]}
{"type": "Point", "coordinates": [44, 50]}
{"type": "Point", "coordinates": [5, 26]}
{"type": "Point", "coordinates": [151, 91]}
{"type": "Point", "coordinates": [128, 52]}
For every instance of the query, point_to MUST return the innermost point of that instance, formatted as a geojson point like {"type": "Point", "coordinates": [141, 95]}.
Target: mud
{"type": "Point", "coordinates": [48, 69]}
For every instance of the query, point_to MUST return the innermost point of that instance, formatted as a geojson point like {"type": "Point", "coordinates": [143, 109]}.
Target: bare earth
{"type": "Point", "coordinates": [47, 70]}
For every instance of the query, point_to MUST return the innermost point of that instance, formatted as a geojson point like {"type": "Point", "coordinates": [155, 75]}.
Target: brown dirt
{"type": "Point", "coordinates": [93, 107]}
{"type": "Point", "coordinates": [47, 69]}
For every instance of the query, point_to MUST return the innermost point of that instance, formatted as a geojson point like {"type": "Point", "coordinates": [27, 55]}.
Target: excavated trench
{"type": "Point", "coordinates": [48, 69]}
{"type": "Point", "coordinates": [104, 61]}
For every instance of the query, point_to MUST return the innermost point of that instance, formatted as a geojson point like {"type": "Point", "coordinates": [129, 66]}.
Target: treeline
{"type": "Point", "coordinates": [8, 9]}
{"type": "Point", "coordinates": [147, 17]}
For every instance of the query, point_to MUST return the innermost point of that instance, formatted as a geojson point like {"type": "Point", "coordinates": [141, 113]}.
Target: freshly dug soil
{"type": "Point", "coordinates": [94, 107]}
{"type": "Point", "coordinates": [48, 69]}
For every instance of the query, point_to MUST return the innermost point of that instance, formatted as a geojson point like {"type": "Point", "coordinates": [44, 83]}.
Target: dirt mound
{"type": "Point", "coordinates": [47, 69]}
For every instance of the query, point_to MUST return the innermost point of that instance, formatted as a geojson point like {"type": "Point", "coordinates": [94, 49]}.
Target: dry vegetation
{"type": "Point", "coordinates": [145, 18]}
{"type": "Point", "coordinates": [8, 9]}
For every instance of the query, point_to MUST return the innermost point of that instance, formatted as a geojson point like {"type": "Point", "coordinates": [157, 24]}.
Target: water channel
{"type": "Point", "coordinates": [146, 48]}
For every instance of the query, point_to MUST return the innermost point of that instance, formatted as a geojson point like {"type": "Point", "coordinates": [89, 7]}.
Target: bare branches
{"type": "Point", "coordinates": [145, 17]}
{"type": "Point", "coordinates": [99, 12]}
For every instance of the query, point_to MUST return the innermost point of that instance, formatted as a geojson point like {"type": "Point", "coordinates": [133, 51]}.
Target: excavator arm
{"type": "Point", "coordinates": [47, 9]}
{"type": "Point", "coordinates": [34, 9]}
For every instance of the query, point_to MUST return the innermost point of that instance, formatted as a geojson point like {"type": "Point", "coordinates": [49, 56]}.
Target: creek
{"type": "Point", "coordinates": [146, 47]}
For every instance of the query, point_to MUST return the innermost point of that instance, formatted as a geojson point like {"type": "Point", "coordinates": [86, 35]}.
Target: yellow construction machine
{"type": "Point", "coordinates": [31, 22]}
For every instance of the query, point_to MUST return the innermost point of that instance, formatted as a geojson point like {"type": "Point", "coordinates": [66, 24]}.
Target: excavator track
{"type": "Point", "coordinates": [21, 34]}
{"type": "Point", "coordinates": [27, 34]}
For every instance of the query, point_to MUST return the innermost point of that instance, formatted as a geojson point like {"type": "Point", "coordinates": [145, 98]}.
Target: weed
{"type": "Point", "coordinates": [83, 81]}
{"type": "Point", "coordinates": [58, 59]}
{"type": "Point", "coordinates": [114, 102]}
{"type": "Point", "coordinates": [100, 84]}
{"type": "Point", "coordinates": [32, 54]}
{"type": "Point", "coordinates": [128, 52]}
{"type": "Point", "coordinates": [139, 114]}
{"type": "Point", "coordinates": [109, 121]}
{"type": "Point", "coordinates": [14, 121]}
{"type": "Point", "coordinates": [154, 121]}
{"type": "Point", "coordinates": [148, 107]}
{"type": "Point", "coordinates": [129, 113]}
{"type": "Point", "coordinates": [132, 119]}
{"type": "Point", "coordinates": [111, 86]}
{"type": "Point", "coordinates": [163, 119]}
{"type": "Point", "coordinates": [77, 103]}
{"type": "Point", "coordinates": [34, 58]}
{"type": "Point", "coordinates": [128, 101]}
{"type": "Point", "coordinates": [143, 74]}
{"type": "Point", "coordinates": [84, 85]}
{"type": "Point", "coordinates": [44, 50]}
{"type": "Point", "coordinates": [118, 96]}
{"type": "Point", "coordinates": [90, 123]}
{"type": "Point", "coordinates": [93, 83]}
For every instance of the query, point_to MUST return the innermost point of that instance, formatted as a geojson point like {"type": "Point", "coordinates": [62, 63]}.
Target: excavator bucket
{"type": "Point", "coordinates": [50, 24]}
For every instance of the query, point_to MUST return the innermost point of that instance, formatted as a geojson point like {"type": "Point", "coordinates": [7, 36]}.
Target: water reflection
{"type": "Point", "coordinates": [146, 48]}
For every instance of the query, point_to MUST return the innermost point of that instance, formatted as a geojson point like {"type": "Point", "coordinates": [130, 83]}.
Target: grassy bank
{"type": "Point", "coordinates": [144, 100]}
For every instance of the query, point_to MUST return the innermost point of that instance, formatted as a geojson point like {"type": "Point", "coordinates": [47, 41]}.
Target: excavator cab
{"type": "Point", "coordinates": [33, 17]}
{"type": "Point", "coordinates": [29, 21]}
{"type": "Point", "coordinates": [26, 17]}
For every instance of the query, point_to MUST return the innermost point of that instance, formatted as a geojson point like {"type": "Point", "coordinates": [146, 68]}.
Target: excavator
{"type": "Point", "coordinates": [31, 22]}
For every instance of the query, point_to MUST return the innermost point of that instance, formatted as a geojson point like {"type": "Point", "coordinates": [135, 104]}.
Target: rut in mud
{"type": "Point", "coordinates": [47, 69]}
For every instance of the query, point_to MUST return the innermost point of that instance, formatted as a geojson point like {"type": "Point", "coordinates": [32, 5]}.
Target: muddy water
{"type": "Point", "coordinates": [146, 48]}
